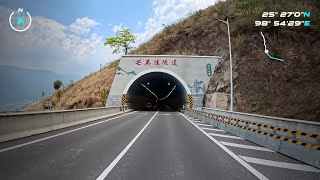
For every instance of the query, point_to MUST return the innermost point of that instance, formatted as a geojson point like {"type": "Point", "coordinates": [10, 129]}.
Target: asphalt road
{"type": "Point", "coordinates": [144, 145]}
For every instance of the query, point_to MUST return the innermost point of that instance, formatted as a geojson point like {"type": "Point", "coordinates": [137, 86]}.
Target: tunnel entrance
{"type": "Point", "coordinates": [157, 90]}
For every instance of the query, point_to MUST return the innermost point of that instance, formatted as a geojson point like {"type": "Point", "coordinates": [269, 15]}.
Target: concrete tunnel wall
{"type": "Point", "coordinates": [193, 72]}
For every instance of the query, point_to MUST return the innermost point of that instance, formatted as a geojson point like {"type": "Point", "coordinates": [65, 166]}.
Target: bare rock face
{"type": "Point", "coordinates": [263, 86]}
{"type": "Point", "coordinates": [217, 101]}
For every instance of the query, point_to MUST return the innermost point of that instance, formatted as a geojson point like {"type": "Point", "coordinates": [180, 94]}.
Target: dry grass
{"type": "Point", "coordinates": [263, 86]}
{"type": "Point", "coordinates": [89, 92]}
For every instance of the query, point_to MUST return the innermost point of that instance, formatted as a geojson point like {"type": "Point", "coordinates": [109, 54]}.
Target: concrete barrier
{"type": "Point", "coordinates": [302, 130]}
{"type": "Point", "coordinates": [275, 135]}
{"type": "Point", "coordinates": [23, 124]}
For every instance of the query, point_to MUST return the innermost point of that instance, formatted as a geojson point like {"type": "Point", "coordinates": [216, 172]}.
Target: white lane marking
{"type": "Point", "coordinates": [105, 173]}
{"type": "Point", "coordinates": [56, 135]}
{"type": "Point", "coordinates": [197, 121]}
{"type": "Point", "coordinates": [211, 129]}
{"type": "Point", "coordinates": [300, 167]}
{"type": "Point", "coordinates": [225, 136]}
{"type": "Point", "coordinates": [237, 158]}
{"type": "Point", "coordinates": [258, 148]}
{"type": "Point", "coordinates": [207, 125]}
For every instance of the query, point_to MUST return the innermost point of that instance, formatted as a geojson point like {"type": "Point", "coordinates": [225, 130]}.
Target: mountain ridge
{"type": "Point", "coordinates": [261, 85]}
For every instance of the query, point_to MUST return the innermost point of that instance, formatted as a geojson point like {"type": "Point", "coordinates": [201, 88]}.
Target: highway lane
{"type": "Point", "coordinates": [81, 154]}
{"type": "Point", "coordinates": [172, 148]}
{"type": "Point", "coordinates": [146, 145]}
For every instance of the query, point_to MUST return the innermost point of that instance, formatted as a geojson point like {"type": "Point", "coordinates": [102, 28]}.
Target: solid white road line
{"type": "Point", "coordinates": [237, 158]}
{"type": "Point", "coordinates": [300, 167]}
{"type": "Point", "coordinates": [258, 148]}
{"type": "Point", "coordinates": [225, 136]}
{"type": "Point", "coordinates": [123, 152]}
{"type": "Point", "coordinates": [219, 130]}
{"type": "Point", "coordinates": [56, 135]}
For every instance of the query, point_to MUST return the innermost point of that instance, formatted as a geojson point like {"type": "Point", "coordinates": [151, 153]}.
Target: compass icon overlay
{"type": "Point", "coordinates": [20, 20]}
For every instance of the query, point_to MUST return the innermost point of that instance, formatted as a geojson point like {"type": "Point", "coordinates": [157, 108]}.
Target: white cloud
{"type": "Point", "coordinates": [82, 26]}
{"type": "Point", "coordinates": [50, 45]}
{"type": "Point", "coordinates": [115, 28]}
{"type": "Point", "coordinates": [167, 12]}
{"type": "Point", "coordinates": [74, 48]}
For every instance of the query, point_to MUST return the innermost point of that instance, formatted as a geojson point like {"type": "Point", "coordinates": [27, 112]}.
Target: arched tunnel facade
{"type": "Point", "coordinates": [157, 90]}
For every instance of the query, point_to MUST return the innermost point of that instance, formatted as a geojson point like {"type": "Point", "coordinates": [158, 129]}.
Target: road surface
{"type": "Point", "coordinates": [145, 145]}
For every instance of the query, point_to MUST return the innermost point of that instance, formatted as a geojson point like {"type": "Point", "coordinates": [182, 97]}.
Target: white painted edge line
{"type": "Point", "coordinates": [300, 167]}
{"type": "Point", "coordinates": [105, 173]}
{"type": "Point", "coordinates": [258, 148]}
{"type": "Point", "coordinates": [219, 130]}
{"type": "Point", "coordinates": [56, 135]}
{"type": "Point", "coordinates": [225, 136]}
{"type": "Point", "coordinates": [237, 158]}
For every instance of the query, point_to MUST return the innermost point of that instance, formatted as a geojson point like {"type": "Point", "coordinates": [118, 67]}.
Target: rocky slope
{"type": "Point", "coordinates": [263, 86]}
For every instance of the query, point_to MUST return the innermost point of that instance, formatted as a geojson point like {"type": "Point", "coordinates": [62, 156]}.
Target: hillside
{"type": "Point", "coordinates": [89, 92]}
{"type": "Point", "coordinates": [262, 86]}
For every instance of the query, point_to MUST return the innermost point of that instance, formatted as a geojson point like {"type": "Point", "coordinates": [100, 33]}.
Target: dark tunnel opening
{"type": "Point", "coordinates": [157, 90]}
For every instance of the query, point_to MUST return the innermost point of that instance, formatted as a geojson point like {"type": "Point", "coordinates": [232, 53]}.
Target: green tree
{"type": "Point", "coordinates": [57, 84]}
{"type": "Point", "coordinates": [121, 43]}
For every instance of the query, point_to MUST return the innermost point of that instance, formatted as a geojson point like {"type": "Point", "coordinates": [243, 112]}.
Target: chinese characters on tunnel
{"type": "Point", "coordinates": [156, 62]}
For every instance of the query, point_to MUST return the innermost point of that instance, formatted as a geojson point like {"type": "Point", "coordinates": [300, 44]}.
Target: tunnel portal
{"type": "Point", "coordinates": [157, 90]}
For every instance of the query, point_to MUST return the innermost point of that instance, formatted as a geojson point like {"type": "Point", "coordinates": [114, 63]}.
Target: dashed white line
{"type": "Point", "coordinates": [258, 148]}
{"type": "Point", "coordinates": [56, 135]}
{"type": "Point", "coordinates": [225, 136]}
{"type": "Point", "coordinates": [278, 164]}
{"type": "Point", "coordinates": [211, 129]}
{"type": "Point", "coordinates": [123, 152]}
{"type": "Point", "coordinates": [234, 156]}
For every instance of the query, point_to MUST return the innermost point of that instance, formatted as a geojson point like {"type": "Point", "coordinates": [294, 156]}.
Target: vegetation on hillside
{"type": "Point", "coordinates": [89, 92]}
{"type": "Point", "coordinates": [122, 41]}
{"type": "Point", "coordinates": [263, 86]}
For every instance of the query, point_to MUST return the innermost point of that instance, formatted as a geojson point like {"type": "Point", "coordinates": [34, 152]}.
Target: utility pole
{"type": "Point", "coordinates": [230, 56]}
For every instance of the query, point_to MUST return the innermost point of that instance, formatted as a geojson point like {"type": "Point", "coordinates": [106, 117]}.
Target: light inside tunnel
{"type": "Point", "coordinates": [156, 90]}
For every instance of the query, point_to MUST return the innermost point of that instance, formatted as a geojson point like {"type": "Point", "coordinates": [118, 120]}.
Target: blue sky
{"type": "Point", "coordinates": [103, 11]}
{"type": "Point", "coordinates": [67, 36]}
